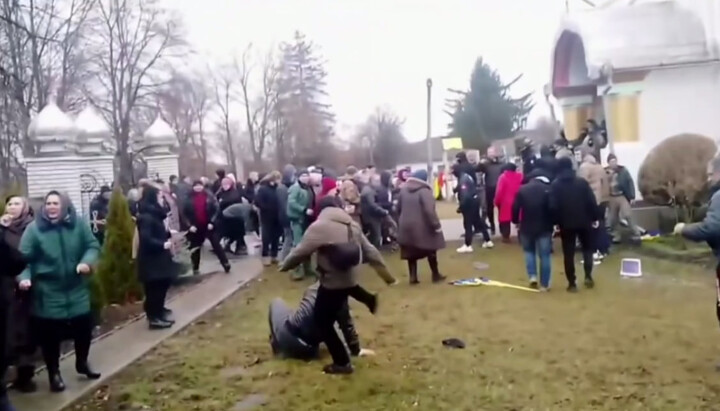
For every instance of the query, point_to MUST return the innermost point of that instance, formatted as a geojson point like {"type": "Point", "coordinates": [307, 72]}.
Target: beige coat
{"type": "Point", "coordinates": [595, 175]}
{"type": "Point", "coordinates": [331, 227]}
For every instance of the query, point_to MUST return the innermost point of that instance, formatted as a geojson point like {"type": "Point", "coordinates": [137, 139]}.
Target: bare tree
{"type": "Point", "coordinates": [225, 96]}
{"type": "Point", "coordinates": [38, 40]}
{"type": "Point", "coordinates": [382, 136]}
{"type": "Point", "coordinates": [260, 108]}
{"type": "Point", "coordinates": [133, 41]}
{"type": "Point", "coordinates": [185, 102]}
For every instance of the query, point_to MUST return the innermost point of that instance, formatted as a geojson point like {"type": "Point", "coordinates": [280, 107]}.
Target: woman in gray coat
{"type": "Point", "coordinates": [419, 231]}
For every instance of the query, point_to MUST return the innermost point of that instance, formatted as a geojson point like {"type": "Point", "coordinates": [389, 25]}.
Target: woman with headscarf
{"type": "Point", "coordinates": [156, 267]}
{"type": "Point", "coordinates": [419, 231]}
{"type": "Point", "coordinates": [21, 346]}
{"type": "Point", "coordinates": [12, 225]}
{"type": "Point", "coordinates": [60, 250]}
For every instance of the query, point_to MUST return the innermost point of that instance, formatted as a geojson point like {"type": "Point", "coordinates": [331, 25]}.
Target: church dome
{"type": "Point", "coordinates": [159, 131]}
{"type": "Point", "coordinates": [51, 121]}
{"type": "Point", "coordinates": [627, 35]}
{"type": "Point", "coordinates": [89, 123]}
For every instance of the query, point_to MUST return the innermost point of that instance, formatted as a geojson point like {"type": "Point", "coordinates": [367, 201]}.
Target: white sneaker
{"type": "Point", "coordinates": [465, 249]}
{"type": "Point", "coordinates": [533, 282]}
{"type": "Point", "coordinates": [488, 244]}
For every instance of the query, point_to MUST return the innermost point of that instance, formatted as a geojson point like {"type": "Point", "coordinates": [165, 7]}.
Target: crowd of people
{"type": "Point", "coordinates": [310, 221]}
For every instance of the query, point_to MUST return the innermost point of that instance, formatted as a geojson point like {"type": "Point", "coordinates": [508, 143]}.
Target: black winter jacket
{"type": "Point", "coordinates": [228, 198]}
{"type": "Point", "coordinates": [154, 262]}
{"type": "Point", "coordinates": [572, 202]}
{"type": "Point", "coordinates": [268, 202]}
{"type": "Point", "coordinates": [211, 209]}
{"type": "Point", "coordinates": [531, 208]}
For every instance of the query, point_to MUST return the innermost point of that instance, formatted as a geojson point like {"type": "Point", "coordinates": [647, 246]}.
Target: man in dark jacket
{"type": "Point", "coordinates": [294, 334]}
{"type": "Point", "coordinates": [622, 195]}
{"type": "Point", "coordinates": [268, 203]}
{"type": "Point", "coordinates": [576, 212]}
{"type": "Point", "coordinates": [531, 213]}
{"type": "Point", "coordinates": [372, 213]}
{"type": "Point", "coordinates": [201, 212]}
{"type": "Point", "coordinates": [708, 229]}
{"type": "Point", "coordinates": [469, 206]}
{"type": "Point", "coordinates": [492, 168]}
{"type": "Point", "coordinates": [98, 213]}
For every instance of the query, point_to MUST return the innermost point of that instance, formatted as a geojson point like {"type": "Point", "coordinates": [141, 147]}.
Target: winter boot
{"type": "Point", "coordinates": [56, 381]}
{"type": "Point", "coordinates": [436, 276]}
{"type": "Point", "coordinates": [412, 270]}
{"type": "Point", "coordinates": [84, 368]}
{"type": "Point", "coordinates": [24, 379]}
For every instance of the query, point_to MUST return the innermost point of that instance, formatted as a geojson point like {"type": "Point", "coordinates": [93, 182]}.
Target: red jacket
{"type": "Point", "coordinates": [508, 186]}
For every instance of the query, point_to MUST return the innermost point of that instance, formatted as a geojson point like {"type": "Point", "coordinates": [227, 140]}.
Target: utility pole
{"type": "Point", "coordinates": [429, 132]}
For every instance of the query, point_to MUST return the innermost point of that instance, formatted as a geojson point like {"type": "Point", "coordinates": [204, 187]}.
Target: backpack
{"type": "Point", "coordinates": [343, 256]}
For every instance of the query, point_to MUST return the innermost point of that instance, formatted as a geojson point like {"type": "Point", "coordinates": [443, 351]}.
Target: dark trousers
{"type": "Point", "coordinates": [717, 291]}
{"type": "Point", "coordinates": [197, 239]}
{"type": "Point", "coordinates": [373, 229]}
{"type": "Point", "coordinates": [155, 294]}
{"type": "Point", "coordinates": [361, 294]}
{"type": "Point", "coordinates": [51, 333]}
{"type": "Point", "coordinates": [490, 206]}
{"type": "Point", "coordinates": [271, 232]}
{"type": "Point", "coordinates": [234, 230]}
{"type": "Point", "coordinates": [602, 237]}
{"type": "Point", "coordinates": [569, 239]}
{"type": "Point", "coordinates": [472, 221]}
{"type": "Point", "coordinates": [328, 307]}
{"type": "Point", "coordinates": [505, 230]}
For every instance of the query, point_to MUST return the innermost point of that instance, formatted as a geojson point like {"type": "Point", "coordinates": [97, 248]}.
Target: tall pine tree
{"type": "Point", "coordinates": [302, 101]}
{"type": "Point", "coordinates": [487, 111]}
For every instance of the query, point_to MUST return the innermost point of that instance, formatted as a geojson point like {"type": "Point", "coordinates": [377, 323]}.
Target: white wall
{"type": "Point", "coordinates": [672, 102]}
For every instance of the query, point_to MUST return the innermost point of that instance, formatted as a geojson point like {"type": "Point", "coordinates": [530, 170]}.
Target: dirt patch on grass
{"type": "Point", "coordinates": [626, 345]}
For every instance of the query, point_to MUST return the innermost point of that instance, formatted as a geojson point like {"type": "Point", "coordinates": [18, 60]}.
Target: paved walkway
{"type": "Point", "coordinates": [116, 351]}
{"type": "Point", "coordinates": [453, 229]}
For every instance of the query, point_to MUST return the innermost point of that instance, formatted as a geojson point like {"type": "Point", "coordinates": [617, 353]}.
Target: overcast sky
{"type": "Point", "coordinates": [380, 52]}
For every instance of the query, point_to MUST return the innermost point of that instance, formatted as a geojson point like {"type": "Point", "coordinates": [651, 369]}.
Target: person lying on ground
{"type": "Point", "coordinates": [340, 246]}
{"type": "Point", "coordinates": [294, 334]}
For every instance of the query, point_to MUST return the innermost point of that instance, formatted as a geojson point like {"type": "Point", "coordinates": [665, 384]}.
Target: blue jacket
{"type": "Point", "coordinates": [709, 228]}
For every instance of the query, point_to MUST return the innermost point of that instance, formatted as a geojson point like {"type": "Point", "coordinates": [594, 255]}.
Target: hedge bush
{"type": "Point", "coordinates": [675, 173]}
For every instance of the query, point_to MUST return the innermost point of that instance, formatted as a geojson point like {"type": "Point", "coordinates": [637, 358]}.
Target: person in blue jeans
{"type": "Point", "coordinates": [532, 215]}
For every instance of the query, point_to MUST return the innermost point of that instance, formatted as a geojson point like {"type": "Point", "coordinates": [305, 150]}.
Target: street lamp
{"type": "Point", "coordinates": [429, 84]}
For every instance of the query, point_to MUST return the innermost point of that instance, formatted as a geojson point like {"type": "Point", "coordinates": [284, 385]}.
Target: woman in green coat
{"type": "Point", "coordinates": [299, 213]}
{"type": "Point", "coordinates": [60, 250]}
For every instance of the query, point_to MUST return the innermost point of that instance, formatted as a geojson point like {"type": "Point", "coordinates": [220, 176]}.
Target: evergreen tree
{"type": "Point", "coordinates": [486, 111]}
{"type": "Point", "coordinates": [302, 101]}
{"type": "Point", "coordinates": [116, 274]}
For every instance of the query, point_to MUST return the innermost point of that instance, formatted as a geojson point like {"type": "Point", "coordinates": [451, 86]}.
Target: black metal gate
{"type": "Point", "coordinates": [90, 185]}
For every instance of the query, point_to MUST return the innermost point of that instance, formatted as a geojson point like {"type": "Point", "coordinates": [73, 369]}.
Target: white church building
{"type": "Point", "coordinates": [650, 68]}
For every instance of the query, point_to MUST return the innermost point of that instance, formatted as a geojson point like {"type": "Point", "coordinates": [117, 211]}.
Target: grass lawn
{"type": "Point", "coordinates": [629, 344]}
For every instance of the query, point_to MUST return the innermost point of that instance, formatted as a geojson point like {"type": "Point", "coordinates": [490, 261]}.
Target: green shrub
{"type": "Point", "coordinates": [116, 271]}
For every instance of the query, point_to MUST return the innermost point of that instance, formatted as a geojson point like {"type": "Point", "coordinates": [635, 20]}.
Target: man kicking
{"type": "Point", "coordinates": [295, 335]}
